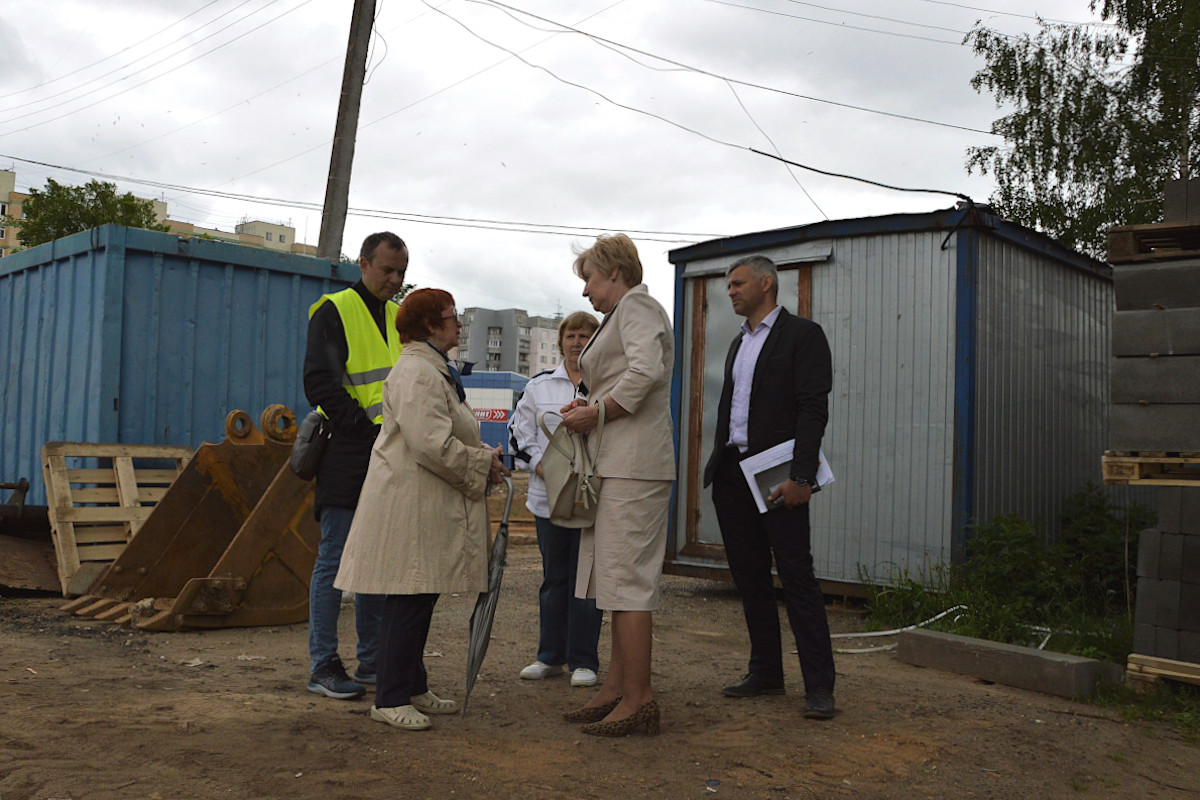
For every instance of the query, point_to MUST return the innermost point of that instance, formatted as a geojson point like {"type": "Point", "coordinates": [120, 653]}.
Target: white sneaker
{"type": "Point", "coordinates": [583, 677]}
{"type": "Point", "coordinates": [537, 670]}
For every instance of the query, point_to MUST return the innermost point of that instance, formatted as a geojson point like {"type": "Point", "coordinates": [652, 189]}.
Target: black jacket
{"type": "Point", "coordinates": [789, 397]}
{"type": "Point", "coordinates": [344, 464]}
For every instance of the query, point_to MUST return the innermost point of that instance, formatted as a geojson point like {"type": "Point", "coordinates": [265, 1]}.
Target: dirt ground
{"type": "Point", "coordinates": [91, 710]}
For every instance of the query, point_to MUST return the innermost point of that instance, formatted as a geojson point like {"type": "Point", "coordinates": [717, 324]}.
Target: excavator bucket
{"type": "Point", "coordinates": [231, 543]}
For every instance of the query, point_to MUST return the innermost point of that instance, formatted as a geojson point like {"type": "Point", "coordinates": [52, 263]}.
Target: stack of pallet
{"type": "Point", "coordinates": [1154, 431]}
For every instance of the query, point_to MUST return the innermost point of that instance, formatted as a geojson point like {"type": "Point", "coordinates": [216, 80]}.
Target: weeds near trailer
{"type": "Point", "coordinates": [1174, 703]}
{"type": "Point", "coordinates": [1071, 592]}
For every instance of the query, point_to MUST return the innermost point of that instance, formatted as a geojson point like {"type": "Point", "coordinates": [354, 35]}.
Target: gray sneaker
{"type": "Point", "coordinates": [363, 675]}
{"type": "Point", "coordinates": [331, 680]}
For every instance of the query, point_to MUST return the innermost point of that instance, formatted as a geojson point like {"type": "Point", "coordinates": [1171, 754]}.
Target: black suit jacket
{"type": "Point", "coordinates": [789, 397]}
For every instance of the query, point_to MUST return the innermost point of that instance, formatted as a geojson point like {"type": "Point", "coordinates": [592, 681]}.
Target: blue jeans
{"type": "Point", "coordinates": [325, 602]}
{"type": "Point", "coordinates": [570, 626]}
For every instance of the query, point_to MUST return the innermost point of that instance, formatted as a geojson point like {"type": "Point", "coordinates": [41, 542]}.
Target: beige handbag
{"type": "Point", "coordinates": [572, 485]}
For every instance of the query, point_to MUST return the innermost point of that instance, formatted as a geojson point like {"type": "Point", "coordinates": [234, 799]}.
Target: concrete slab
{"type": "Point", "coordinates": [1147, 563]}
{"type": "Point", "coordinates": [1023, 667]}
{"type": "Point", "coordinates": [1146, 602]}
{"type": "Point", "coordinates": [1143, 287]}
{"type": "Point", "coordinates": [1165, 379]}
{"type": "Point", "coordinates": [1170, 557]}
{"type": "Point", "coordinates": [1167, 332]}
{"type": "Point", "coordinates": [1168, 428]}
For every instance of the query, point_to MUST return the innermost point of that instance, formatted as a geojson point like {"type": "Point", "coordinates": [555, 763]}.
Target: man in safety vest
{"type": "Point", "coordinates": [352, 345]}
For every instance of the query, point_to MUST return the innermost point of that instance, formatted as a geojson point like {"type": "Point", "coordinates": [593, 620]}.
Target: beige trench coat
{"type": "Point", "coordinates": [421, 525]}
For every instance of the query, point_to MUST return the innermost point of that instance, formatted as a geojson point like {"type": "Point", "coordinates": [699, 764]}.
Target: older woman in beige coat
{"type": "Point", "coordinates": [626, 366]}
{"type": "Point", "coordinates": [421, 526]}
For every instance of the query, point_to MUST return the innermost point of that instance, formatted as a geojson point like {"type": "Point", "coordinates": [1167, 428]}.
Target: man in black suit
{"type": "Point", "coordinates": [778, 375]}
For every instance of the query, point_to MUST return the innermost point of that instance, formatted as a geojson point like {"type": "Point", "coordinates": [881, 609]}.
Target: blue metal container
{"type": "Point", "coordinates": [126, 335]}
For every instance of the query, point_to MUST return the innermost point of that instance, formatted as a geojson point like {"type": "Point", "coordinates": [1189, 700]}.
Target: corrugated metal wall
{"type": "Point", "coordinates": [137, 336]}
{"type": "Point", "coordinates": [1041, 393]}
{"type": "Point", "coordinates": [886, 303]}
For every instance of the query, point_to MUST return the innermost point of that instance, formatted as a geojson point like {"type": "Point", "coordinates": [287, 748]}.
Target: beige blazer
{"type": "Point", "coordinates": [421, 523]}
{"type": "Point", "coordinates": [630, 358]}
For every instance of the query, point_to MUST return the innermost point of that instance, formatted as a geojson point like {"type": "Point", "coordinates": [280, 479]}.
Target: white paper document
{"type": "Point", "coordinates": [767, 470]}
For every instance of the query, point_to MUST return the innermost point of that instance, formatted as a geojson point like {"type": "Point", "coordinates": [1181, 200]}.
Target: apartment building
{"type": "Point", "coordinates": [509, 340]}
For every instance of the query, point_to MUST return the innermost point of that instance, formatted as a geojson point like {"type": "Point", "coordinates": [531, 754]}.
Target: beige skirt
{"type": "Point", "coordinates": [621, 558]}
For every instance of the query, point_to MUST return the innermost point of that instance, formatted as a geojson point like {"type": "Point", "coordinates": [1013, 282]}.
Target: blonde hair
{"type": "Point", "coordinates": [612, 253]}
{"type": "Point", "coordinates": [577, 321]}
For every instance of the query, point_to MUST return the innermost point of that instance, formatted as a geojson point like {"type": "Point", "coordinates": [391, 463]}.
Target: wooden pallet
{"type": "Point", "coordinates": [1132, 244]}
{"type": "Point", "coordinates": [98, 497]}
{"type": "Point", "coordinates": [1151, 469]}
{"type": "Point", "coordinates": [1147, 670]}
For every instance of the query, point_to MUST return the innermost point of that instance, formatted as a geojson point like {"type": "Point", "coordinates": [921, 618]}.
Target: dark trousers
{"type": "Point", "coordinates": [569, 629]}
{"type": "Point", "coordinates": [750, 540]}
{"type": "Point", "coordinates": [400, 671]}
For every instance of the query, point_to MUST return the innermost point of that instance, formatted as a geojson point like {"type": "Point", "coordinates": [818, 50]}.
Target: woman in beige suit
{"type": "Point", "coordinates": [627, 367]}
{"type": "Point", "coordinates": [421, 526]}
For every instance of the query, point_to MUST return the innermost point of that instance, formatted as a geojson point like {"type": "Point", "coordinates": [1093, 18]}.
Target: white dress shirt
{"type": "Point", "coordinates": [743, 378]}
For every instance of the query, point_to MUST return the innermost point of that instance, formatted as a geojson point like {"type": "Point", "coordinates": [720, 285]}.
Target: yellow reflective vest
{"type": "Point", "coordinates": [370, 359]}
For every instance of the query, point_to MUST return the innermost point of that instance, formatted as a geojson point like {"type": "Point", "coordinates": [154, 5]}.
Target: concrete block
{"type": "Point", "coordinates": [1142, 287]}
{"type": "Point", "coordinates": [1170, 556]}
{"type": "Point", "coordinates": [1144, 639]}
{"type": "Point", "coordinates": [1189, 607]}
{"type": "Point", "coordinates": [1145, 607]}
{"type": "Point", "coordinates": [1189, 568]}
{"type": "Point", "coordinates": [1166, 606]}
{"type": "Point", "coordinates": [1166, 428]}
{"type": "Point", "coordinates": [1023, 667]}
{"type": "Point", "coordinates": [1148, 546]}
{"type": "Point", "coordinates": [1166, 379]}
{"type": "Point", "coordinates": [1189, 647]}
{"type": "Point", "coordinates": [1167, 332]}
{"type": "Point", "coordinates": [1170, 503]}
{"type": "Point", "coordinates": [1166, 643]}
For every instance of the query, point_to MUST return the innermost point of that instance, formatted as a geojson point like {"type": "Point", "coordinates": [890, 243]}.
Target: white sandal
{"type": "Point", "coordinates": [430, 703]}
{"type": "Point", "coordinates": [404, 717]}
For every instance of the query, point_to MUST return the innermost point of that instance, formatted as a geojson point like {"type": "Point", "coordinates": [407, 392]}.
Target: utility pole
{"type": "Point", "coordinates": [341, 161]}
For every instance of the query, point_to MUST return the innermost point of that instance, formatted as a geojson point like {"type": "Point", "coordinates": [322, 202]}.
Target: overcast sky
{"type": "Point", "coordinates": [479, 115]}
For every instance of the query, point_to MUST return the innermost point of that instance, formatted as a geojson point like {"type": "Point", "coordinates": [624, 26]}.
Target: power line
{"type": "Point", "coordinates": [840, 25]}
{"type": "Point", "coordinates": [710, 74]}
{"type": "Point", "coordinates": [86, 67]}
{"type": "Point", "coordinates": [151, 79]}
{"type": "Point", "coordinates": [431, 219]}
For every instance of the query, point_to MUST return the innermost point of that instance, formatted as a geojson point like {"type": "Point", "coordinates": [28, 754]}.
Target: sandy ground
{"type": "Point", "coordinates": [91, 710]}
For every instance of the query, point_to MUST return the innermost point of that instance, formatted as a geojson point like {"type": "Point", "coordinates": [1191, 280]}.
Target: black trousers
{"type": "Point", "coordinates": [400, 670]}
{"type": "Point", "coordinates": [751, 539]}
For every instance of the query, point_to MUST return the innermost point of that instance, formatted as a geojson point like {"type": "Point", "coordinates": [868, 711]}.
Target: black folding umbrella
{"type": "Point", "coordinates": [485, 606]}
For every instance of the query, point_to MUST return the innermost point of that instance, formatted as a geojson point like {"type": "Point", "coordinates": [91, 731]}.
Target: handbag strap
{"type": "Point", "coordinates": [556, 443]}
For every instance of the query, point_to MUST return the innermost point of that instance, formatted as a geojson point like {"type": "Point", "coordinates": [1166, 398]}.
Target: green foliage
{"type": "Point", "coordinates": [59, 211]}
{"type": "Point", "coordinates": [1016, 585]}
{"type": "Point", "coordinates": [1099, 121]}
{"type": "Point", "coordinates": [1177, 704]}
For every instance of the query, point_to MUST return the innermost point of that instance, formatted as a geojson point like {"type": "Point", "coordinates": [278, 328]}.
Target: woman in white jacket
{"type": "Point", "coordinates": [569, 629]}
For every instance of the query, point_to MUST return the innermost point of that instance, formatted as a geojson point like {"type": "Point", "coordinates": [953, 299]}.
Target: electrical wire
{"type": "Point", "coordinates": [840, 25]}
{"type": "Point", "coordinates": [115, 70]}
{"type": "Point", "coordinates": [86, 67]}
{"type": "Point", "coordinates": [481, 223]}
{"type": "Point", "coordinates": [148, 80]}
{"type": "Point", "coordinates": [710, 74]}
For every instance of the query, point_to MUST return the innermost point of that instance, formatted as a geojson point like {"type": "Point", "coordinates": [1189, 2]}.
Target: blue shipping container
{"type": "Point", "coordinates": [125, 335]}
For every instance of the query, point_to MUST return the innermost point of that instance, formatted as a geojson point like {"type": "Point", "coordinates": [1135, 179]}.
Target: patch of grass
{"type": "Point", "coordinates": [1175, 703]}
{"type": "Point", "coordinates": [1017, 582]}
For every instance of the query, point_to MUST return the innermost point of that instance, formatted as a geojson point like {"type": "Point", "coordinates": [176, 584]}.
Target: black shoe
{"type": "Point", "coordinates": [819, 705]}
{"type": "Point", "coordinates": [331, 680]}
{"type": "Point", "coordinates": [752, 685]}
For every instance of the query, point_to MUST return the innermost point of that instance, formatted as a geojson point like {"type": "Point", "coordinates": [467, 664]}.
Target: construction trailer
{"type": "Point", "coordinates": [971, 379]}
{"type": "Point", "coordinates": [122, 335]}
